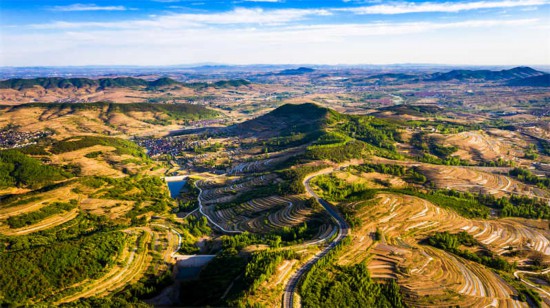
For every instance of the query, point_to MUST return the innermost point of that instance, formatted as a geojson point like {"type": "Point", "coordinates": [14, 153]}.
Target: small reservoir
{"type": "Point", "coordinates": [175, 184]}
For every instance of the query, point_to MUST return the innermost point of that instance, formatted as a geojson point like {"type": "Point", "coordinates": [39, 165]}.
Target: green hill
{"type": "Point", "coordinates": [173, 111]}
{"type": "Point", "coordinates": [104, 83]}
{"type": "Point", "coordinates": [64, 83]}
{"type": "Point", "coordinates": [231, 83]}
{"type": "Point", "coordinates": [163, 82]}
{"type": "Point", "coordinates": [297, 71]}
{"type": "Point", "coordinates": [460, 75]}
{"type": "Point", "coordinates": [285, 120]}
{"type": "Point", "coordinates": [331, 135]}
{"type": "Point", "coordinates": [20, 170]}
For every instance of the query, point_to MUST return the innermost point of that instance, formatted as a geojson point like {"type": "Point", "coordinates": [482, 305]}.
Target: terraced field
{"type": "Point", "coordinates": [114, 209]}
{"type": "Point", "coordinates": [475, 145]}
{"type": "Point", "coordinates": [260, 215]}
{"type": "Point", "coordinates": [132, 264]}
{"type": "Point", "coordinates": [49, 222]}
{"type": "Point", "coordinates": [474, 180]}
{"type": "Point", "coordinates": [227, 190]}
{"type": "Point", "coordinates": [431, 276]}
{"type": "Point", "coordinates": [470, 284]}
{"type": "Point", "coordinates": [85, 203]}
{"type": "Point", "coordinates": [254, 166]}
{"type": "Point", "coordinates": [33, 203]}
{"type": "Point", "coordinates": [259, 163]}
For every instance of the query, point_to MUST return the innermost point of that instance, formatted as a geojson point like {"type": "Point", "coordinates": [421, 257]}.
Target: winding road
{"type": "Point", "coordinates": [343, 231]}
{"type": "Point", "coordinates": [208, 217]}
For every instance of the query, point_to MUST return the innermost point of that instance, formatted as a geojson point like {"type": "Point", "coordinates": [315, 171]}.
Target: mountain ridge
{"type": "Point", "coordinates": [534, 81]}
{"type": "Point", "coordinates": [513, 73]}
{"type": "Point", "coordinates": [103, 83]}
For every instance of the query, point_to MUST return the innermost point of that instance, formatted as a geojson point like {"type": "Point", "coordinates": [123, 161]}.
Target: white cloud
{"type": "Point", "coordinates": [431, 7]}
{"type": "Point", "coordinates": [327, 33]}
{"type": "Point", "coordinates": [87, 7]}
{"type": "Point", "coordinates": [237, 16]}
{"type": "Point", "coordinates": [276, 36]}
{"type": "Point", "coordinates": [474, 42]}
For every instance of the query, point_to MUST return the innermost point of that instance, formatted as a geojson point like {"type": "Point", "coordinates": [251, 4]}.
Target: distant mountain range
{"type": "Point", "coordinates": [535, 81]}
{"type": "Point", "coordinates": [297, 71]}
{"type": "Point", "coordinates": [518, 76]}
{"type": "Point", "coordinates": [514, 73]}
{"type": "Point", "coordinates": [103, 83]}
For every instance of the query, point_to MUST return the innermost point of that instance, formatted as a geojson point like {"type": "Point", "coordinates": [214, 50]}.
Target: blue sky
{"type": "Point", "coordinates": [168, 32]}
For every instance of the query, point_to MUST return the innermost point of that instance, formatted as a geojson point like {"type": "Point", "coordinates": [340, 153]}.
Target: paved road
{"type": "Point", "coordinates": [343, 231]}
{"type": "Point", "coordinates": [173, 254]}
{"type": "Point", "coordinates": [208, 217]}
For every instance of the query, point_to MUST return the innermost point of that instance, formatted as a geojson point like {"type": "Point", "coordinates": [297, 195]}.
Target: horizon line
{"type": "Point", "coordinates": [193, 65]}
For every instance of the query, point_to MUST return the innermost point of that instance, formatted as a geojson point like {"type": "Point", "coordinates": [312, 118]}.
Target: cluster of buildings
{"type": "Point", "coordinates": [10, 138]}
{"type": "Point", "coordinates": [169, 145]}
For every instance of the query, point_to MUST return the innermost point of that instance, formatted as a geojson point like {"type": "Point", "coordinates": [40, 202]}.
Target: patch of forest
{"type": "Point", "coordinates": [20, 170]}
{"type": "Point", "coordinates": [37, 272]}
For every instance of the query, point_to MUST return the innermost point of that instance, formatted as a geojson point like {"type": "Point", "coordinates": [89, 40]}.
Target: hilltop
{"type": "Point", "coordinates": [176, 111]}
{"type": "Point", "coordinates": [534, 81]}
{"type": "Point", "coordinates": [104, 83]}
{"type": "Point", "coordinates": [218, 84]}
{"type": "Point", "coordinates": [297, 71]}
{"type": "Point", "coordinates": [288, 118]}
{"type": "Point", "coordinates": [104, 117]}
{"type": "Point", "coordinates": [461, 75]}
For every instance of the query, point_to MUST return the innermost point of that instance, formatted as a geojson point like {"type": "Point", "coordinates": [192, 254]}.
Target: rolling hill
{"type": "Point", "coordinates": [104, 83]}
{"type": "Point", "coordinates": [19, 170]}
{"type": "Point", "coordinates": [176, 111]}
{"type": "Point", "coordinates": [284, 120]}
{"type": "Point", "coordinates": [103, 117]}
{"type": "Point", "coordinates": [297, 71]}
{"type": "Point", "coordinates": [462, 75]}
{"type": "Point", "coordinates": [534, 81]}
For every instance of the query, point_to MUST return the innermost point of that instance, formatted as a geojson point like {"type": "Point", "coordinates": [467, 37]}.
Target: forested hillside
{"type": "Point", "coordinates": [20, 170]}
{"type": "Point", "coordinates": [104, 83]}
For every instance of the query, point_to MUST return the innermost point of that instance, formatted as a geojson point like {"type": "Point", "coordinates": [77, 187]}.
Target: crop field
{"type": "Point", "coordinates": [430, 276]}
{"type": "Point", "coordinates": [255, 166]}
{"type": "Point", "coordinates": [371, 179]}
{"type": "Point", "coordinates": [33, 202]}
{"type": "Point", "coordinates": [69, 120]}
{"type": "Point", "coordinates": [260, 163]}
{"type": "Point", "coordinates": [132, 263]}
{"type": "Point", "coordinates": [474, 180]}
{"type": "Point", "coordinates": [316, 187]}
{"type": "Point", "coordinates": [230, 189]}
{"type": "Point", "coordinates": [261, 215]}
{"type": "Point", "coordinates": [265, 214]}
{"type": "Point", "coordinates": [83, 202]}
{"type": "Point", "coordinates": [475, 145]}
{"type": "Point", "coordinates": [113, 209]}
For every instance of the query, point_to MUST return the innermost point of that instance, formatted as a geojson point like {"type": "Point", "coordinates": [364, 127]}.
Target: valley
{"type": "Point", "coordinates": [302, 187]}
